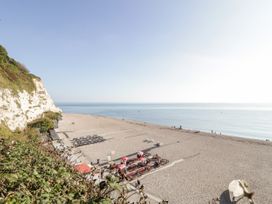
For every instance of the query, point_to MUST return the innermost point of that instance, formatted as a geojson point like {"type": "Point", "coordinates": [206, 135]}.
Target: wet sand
{"type": "Point", "coordinates": [201, 164]}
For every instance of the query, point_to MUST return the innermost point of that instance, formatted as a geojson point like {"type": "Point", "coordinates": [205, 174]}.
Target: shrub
{"type": "Point", "coordinates": [33, 175]}
{"type": "Point", "coordinates": [43, 124]}
{"type": "Point", "coordinates": [52, 115]}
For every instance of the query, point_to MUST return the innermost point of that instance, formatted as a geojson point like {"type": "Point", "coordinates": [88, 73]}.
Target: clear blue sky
{"type": "Point", "coordinates": [144, 50]}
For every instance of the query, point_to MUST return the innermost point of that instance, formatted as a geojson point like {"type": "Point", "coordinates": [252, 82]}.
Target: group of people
{"type": "Point", "coordinates": [141, 161]}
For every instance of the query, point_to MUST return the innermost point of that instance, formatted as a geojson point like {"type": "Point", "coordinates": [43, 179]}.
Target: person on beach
{"type": "Point", "coordinates": [140, 154]}
{"type": "Point", "coordinates": [122, 170]}
{"type": "Point", "coordinates": [124, 160]}
{"type": "Point", "coordinates": [142, 160]}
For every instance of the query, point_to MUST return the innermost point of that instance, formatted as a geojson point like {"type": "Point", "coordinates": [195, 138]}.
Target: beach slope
{"type": "Point", "coordinates": [201, 165]}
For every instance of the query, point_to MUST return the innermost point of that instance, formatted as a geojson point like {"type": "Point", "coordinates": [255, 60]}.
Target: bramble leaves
{"type": "Point", "coordinates": [30, 174]}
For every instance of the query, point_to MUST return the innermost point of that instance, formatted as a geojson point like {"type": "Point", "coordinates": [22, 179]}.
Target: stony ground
{"type": "Point", "coordinates": [201, 165]}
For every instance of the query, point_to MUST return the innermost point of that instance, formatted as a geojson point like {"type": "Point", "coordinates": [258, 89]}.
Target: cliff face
{"type": "Point", "coordinates": [23, 98]}
{"type": "Point", "coordinates": [18, 110]}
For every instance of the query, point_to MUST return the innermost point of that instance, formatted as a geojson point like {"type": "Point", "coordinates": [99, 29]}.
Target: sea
{"type": "Point", "coordinates": [242, 120]}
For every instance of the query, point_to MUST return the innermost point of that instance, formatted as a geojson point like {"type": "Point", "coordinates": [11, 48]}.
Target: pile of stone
{"type": "Point", "coordinates": [81, 141]}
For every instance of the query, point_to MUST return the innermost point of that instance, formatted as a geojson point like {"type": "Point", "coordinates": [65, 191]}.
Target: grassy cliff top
{"type": "Point", "coordinates": [14, 75]}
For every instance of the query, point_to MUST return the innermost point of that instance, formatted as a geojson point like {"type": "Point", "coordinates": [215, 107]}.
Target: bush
{"type": "Point", "coordinates": [46, 122]}
{"type": "Point", "coordinates": [43, 124]}
{"type": "Point", "coordinates": [52, 115]}
{"type": "Point", "coordinates": [33, 175]}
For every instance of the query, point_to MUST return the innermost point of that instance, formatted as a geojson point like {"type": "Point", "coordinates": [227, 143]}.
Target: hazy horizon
{"type": "Point", "coordinates": [144, 51]}
{"type": "Point", "coordinates": [108, 102]}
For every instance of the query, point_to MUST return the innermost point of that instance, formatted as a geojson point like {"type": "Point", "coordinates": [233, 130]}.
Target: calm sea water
{"type": "Point", "coordinates": [243, 120]}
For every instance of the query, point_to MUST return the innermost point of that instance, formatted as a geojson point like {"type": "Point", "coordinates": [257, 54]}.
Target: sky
{"type": "Point", "coordinates": [144, 50]}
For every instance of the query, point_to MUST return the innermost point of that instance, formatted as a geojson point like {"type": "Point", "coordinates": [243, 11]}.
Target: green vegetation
{"type": "Point", "coordinates": [14, 75]}
{"type": "Point", "coordinates": [52, 115]}
{"type": "Point", "coordinates": [43, 124]}
{"type": "Point", "coordinates": [24, 135]}
{"type": "Point", "coordinates": [5, 131]}
{"type": "Point", "coordinates": [46, 122]}
{"type": "Point", "coordinates": [29, 173]}
{"type": "Point", "coordinates": [32, 172]}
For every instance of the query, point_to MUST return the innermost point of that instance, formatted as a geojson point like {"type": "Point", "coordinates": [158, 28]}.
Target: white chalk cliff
{"type": "Point", "coordinates": [16, 110]}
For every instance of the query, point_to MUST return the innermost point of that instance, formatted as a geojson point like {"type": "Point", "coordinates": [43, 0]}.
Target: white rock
{"type": "Point", "coordinates": [235, 190]}
{"type": "Point", "coordinates": [18, 110]}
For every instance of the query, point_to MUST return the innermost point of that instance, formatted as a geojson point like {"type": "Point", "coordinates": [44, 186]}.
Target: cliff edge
{"type": "Point", "coordinates": [23, 97]}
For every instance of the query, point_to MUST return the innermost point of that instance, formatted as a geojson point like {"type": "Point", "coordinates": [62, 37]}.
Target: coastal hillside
{"type": "Point", "coordinates": [23, 97]}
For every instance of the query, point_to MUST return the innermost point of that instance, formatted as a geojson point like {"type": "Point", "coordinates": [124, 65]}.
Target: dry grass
{"type": "Point", "coordinates": [14, 75]}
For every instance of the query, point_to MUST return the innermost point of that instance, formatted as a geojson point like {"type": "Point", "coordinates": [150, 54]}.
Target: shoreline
{"type": "Point", "coordinates": [195, 131]}
{"type": "Point", "coordinates": [244, 120]}
{"type": "Point", "coordinates": [201, 165]}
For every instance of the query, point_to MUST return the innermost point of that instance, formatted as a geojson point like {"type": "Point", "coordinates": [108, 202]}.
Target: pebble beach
{"type": "Point", "coordinates": [201, 165]}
